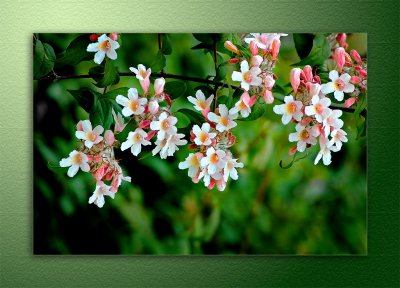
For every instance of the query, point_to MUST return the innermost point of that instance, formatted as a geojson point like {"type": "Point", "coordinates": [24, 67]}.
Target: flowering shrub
{"type": "Point", "coordinates": [326, 82]}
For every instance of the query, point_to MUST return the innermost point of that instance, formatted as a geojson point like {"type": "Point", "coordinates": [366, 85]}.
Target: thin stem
{"type": "Point", "coordinates": [160, 48]}
{"type": "Point", "coordinates": [216, 71]}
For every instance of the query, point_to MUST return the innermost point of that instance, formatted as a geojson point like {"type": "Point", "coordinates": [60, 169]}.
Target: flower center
{"type": "Point", "coordinates": [319, 108]}
{"type": "Point", "coordinates": [143, 73]}
{"type": "Point", "coordinates": [241, 106]}
{"type": "Point", "coordinates": [303, 135]}
{"type": "Point", "coordinates": [105, 45]}
{"type": "Point", "coordinates": [137, 137]}
{"type": "Point", "coordinates": [165, 124]}
{"type": "Point", "coordinates": [201, 104]}
{"type": "Point", "coordinates": [247, 77]}
{"type": "Point", "coordinates": [224, 120]}
{"type": "Point", "coordinates": [133, 105]}
{"type": "Point", "coordinates": [76, 159]}
{"type": "Point", "coordinates": [214, 158]}
{"type": "Point", "coordinates": [194, 161]}
{"type": "Point", "coordinates": [203, 136]}
{"type": "Point", "coordinates": [339, 84]}
{"type": "Point", "coordinates": [90, 136]}
{"type": "Point", "coordinates": [291, 108]}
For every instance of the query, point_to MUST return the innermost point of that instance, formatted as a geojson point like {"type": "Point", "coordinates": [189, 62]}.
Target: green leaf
{"type": "Point", "coordinates": [208, 38]}
{"type": "Point", "coordinates": [56, 167]}
{"type": "Point", "coordinates": [183, 120]}
{"type": "Point", "coordinates": [112, 94]}
{"type": "Point", "coordinates": [257, 111]}
{"type": "Point", "coordinates": [222, 70]}
{"type": "Point", "coordinates": [101, 114]}
{"type": "Point", "coordinates": [303, 43]}
{"type": "Point", "coordinates": [175, 89]}
{"type": "Point", "coordinates": [294, 160]}
{"type": "Point", "coordinates": [43, 61]}
{"type": "Point", "coordinates": [84, 97]}
{"type": "Point", "coordinates": [319, 52]}
{"type": "Point", "coordinates": [361, 104]}
{"type": "Point", "coordinates": [158, 63]}
{"type": "Point", "coordinates": [206, 89]}
{"type": "Point", "coordinates": [212, 224]}
{"type": "Point", "coordinates": [166, 47]}
{"type": "Point", "coordinates": [360, 122]}
{"type": "Point", "coordinates": [202, 46]}
{"type": "Point", "coordinates": [76, 52]}
{"type": "Point", "coordinates": [97, 72]}
{"type": "Point", "coordinates": [110, 77]}
{"type": "Point", "coordinates": [225, 99]}
{"type": "Point", "coordinates": [194, 117]}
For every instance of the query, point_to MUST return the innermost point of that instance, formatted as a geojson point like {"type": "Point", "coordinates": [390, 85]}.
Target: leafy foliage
{"type": "Point", "coordinates": [43, 59]}
{"type": "Point", "coordinates": [319, 53]}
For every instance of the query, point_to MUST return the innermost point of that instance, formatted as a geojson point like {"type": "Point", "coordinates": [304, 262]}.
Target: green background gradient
{"type": "Point", "coordinates": [18, 267]}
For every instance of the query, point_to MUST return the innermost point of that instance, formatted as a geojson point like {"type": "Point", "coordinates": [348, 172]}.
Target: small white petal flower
{"type": "Point", "coordinates": [207, 177]}
{"type": "Point", "coordinates": [332, 121]}
{"type": "Point", "coordinates": [173, 141]}
{"type": "Point", "coordinates": [141, 72]}
{"type": "Point", "coordinates": [225, 119]}
{"type": "Point", "coordinates": [325, 152]}
{"type": "Point", "coordinates": [75, 161]}
{"type": "Point", "coordinates": [243, 105]}
{"type": "Point", "coordinates": [135, 140]}
{"type": "Point", "coordinates": [91, 136]}
{"type": "Point", "coordinates": [213, 161]}
{"type": "Point", "coordinates": [302, 136]}
{"type": "Point", "coordinates": [160, 144]}
{"type": "Point", "coordinates": [192, 162]}
{"type": "Point", "coordinates": [319, 108]}
{"type": "Point", "coordinates": [203, 137]}
{"type": "Point", "coordinates": [104, 46]}
{"type": "Point", "coordinates": [98, 195]}
{"type": "Point", "coordinates": [230, 168]}
{"type": "Point", "coordinates": [119, 122]}
{"type": "Point", "coordinates": [200, 102]}
{"type": "Point", "coordinates": [247, 76]}
{"type": "Point", "coordinates": [291, 109]}
{"type": "Point", "coordinates": [339, 85]}
{"type": "Point", "coordinates": [258, 38]}
{"type": "Point", "coordinates": [338, 137]}
{"type": "Point", "coordinates": [133, 104]}
{"type": "Point", "coordinates": [164, 125]}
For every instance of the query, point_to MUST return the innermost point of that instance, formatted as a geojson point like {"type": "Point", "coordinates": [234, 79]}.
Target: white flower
{"type": "Point", "coordinates": [164, 125]}
{"type": "Point", "coordinates": [91, 136]}
{"type": "Point", "coordinates": [192, 162]}
{"type": "Point", "coordinates": [99, 193]}
{"type": "Point", "coordinates": [160, 144]}
{"type": "Point", "coordinates": [332, 121]}
{"type": "Point", "coordinates": [258, 38]}
{"type": "Point", "coordinates": [119, 122]}
{"type": "Point", "coordinates": [135, 140]}
{"type": "Point", "coordinates": [104, 46]}
{"type": "Point", "coordinates": [291, 109]}
{"type": "Point", "coordinates": [243, 105]}
{"type": "Point", "coordinates": [319, 108]}
{"type": "Point", "coordinates": [338, 85]}
{"type": "Point", "coordinates": [118, 177]}
{"type": "Point", "coordinates": [200, 102]}
{"type": "Point", "coordinates": [325, 152]}
{"type": "Point", "coordinates": [153, 106]}
{"type": "Point", "coordinates": [214, 160]}
{"type": "Point", "coordinates": [338, 136]}
{"type": "Point", "coordinates": [203, 137]}
{"type": "Point", "coordinates": [173, 141]}
{"type": "Point", "coordinates": [225, 120]}
{"type": "Point", "coordinates": [133, 104]}
{"type": "Point", "coordinates": [230, 168]}
{"type": "Point", "coordinates": [303, 136]}
{"type": "Point", "coordinates": [76, 160]}
{"type": "Point", "coordinates": [247, 76]}
{"type": "Point", "coordinates": [141, 72]}
{"type": "Point", "coordinates": [207, 176]}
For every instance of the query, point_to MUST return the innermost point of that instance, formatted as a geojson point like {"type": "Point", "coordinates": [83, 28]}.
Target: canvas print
{"type": "Point", "coordinates": [199, 143]}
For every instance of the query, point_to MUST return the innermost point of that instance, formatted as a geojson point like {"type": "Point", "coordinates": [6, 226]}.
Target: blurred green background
{"type": "Point", "coordinates": [307, 209]}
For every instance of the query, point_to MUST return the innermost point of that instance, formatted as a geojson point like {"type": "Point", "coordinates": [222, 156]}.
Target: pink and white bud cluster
{"type": "Point", "coordinates": [150, 118]}
{"type": "Point", "coordinates": [310, 109]}
{"type": "Point", "coordinates": [255, 75]}
{"type": "Point", "coordinates": [96, 156]}
{"type": "Point", "coordinates": [212, 159]}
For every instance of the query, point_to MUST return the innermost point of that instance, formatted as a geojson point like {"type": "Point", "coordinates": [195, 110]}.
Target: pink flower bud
{"type": "Point", "coordinates": [292, 150]}
{"type": "Point", "coordinates": [233, 61]}
{"type": "Point", "coordinates": [354, 54]}
{"type": "Point", "coordinates": [109, 137]}
{"type": "Point", "coordinates": [97, 158]}
{"type": "Point", "coordinates": [313, 89]}
{"type": "Point", "coordinates": [145, 83]}
{"type": "Point", "coordinates": [93, 37]}
{"type": "Point", "coordinates": [349, 102]}
{"type": "Point", "coordinates": [305, 121]}
{"type": "Point", "coordinates": [168, 99]}
{"type": "Point", "coordinates": [114, 36]}
{"type": "Point", "coordinates": [355, 79]}
{"type": "Point", "coordinates": [295, 78]}
{"type": "Point", "coordinates": [317, 79]}
{"type": "Point", "coordinates": [308, 73]}
{"type": "Point", "coordinates": [339, 58]}
{"type": "Point", "coordinates": [145, 124]}
{"type": "Point", "coordinates": [256, 61]}
{"type": "Point", "coordinates": [205, 112]}
{"type": "Point", "coordinates": [100, 172]}
{"type": "Point", "coordinates": [341, 39]}
{"type": "Point", "coordinates": [267, 96]}
{"type": "Point", "coordinates": [253, 48]}
{"type": "Point", "coordinates": [79, 126]}
{"type": "Point", "coordinates": [114, 184]}
{"type": "Point", "coordinates": [150, 135]}
{"type": "Point", "coordinates": [253, 100]}
{"type": "Point", "coordinates": [276, 44]}
{"type": "Point", "coordinates": [231, 47]}
{"type": "Point", "coordinates": [159, 85]}
{"type": "Point", "coordinates": [153, 107]}
{"type": "Point", "coordinates": [363, 73]}
{"type": "Point", "coordinates": [269, 82]}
